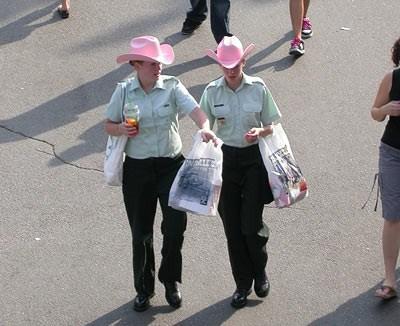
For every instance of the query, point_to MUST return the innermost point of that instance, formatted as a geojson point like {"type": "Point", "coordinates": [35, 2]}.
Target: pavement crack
{"type": "Point", "coordinates": [53, 148]}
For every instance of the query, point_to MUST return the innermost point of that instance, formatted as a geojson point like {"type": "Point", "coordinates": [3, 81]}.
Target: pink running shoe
{"type": "Point", "coordinates": [306, 29]}
{"type": "Point", "coordinates": [296, 47]}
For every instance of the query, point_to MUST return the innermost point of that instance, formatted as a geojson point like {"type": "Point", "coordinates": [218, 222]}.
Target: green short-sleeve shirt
{"type": "Point", "coordinates": [236, 112]}
{"type": "Point", "coordinates": [159, 109]}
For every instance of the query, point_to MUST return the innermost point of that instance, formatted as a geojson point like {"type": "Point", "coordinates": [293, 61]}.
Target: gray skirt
{"type": "Point", "coordinates": [389, 181]}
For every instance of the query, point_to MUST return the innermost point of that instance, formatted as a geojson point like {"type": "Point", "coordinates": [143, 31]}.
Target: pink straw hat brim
{"type": "Point", "coordinates": [166, 57]}
{"type": "Point", "coordinates": [230, 64]}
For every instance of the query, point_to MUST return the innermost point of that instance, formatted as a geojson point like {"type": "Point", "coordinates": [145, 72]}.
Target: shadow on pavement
{"type": "Point", "coordinates": [23, 27]}
{"type": "Point", "coordinates": [92, 140]}
{"type": "Point", "coordinates": [125, 315]}
{"type": "Point", "coordinates": [215, 314]}
{"type": "Point", "coordinates": [187, 66]}
{"type": "Point", "coordinates": [278, 65]}
{"type": "Point", "coordinates": [364, 310]}
{"type": "Point", "coordinates": [65, 108]}
{"type": "Point", "coordinates": [175, 38]}
{"type": "Point", "coordinates": [197, 90]}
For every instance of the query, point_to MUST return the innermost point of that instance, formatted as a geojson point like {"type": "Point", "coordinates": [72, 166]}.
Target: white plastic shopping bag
{"type": "Point", "coordinates": [286, 180]}
{"type": "Point", "coordinates": [197, 185]}
{"type": "Point", "coordinates": [114, 160]}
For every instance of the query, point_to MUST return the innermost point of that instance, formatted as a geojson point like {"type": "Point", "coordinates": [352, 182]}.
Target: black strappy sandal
{"type": "Point", "coordinates": [63, 13]}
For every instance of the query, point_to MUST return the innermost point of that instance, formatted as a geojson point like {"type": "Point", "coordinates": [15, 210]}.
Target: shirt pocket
{"type": "Point", "coordinates": [164, 111]}
{"type": "Point", "coordinates": [252, 115]}
{"type": "Point", "coordinates": [221, 111]}
{"type": "Point", "coordinates": [164, 116]}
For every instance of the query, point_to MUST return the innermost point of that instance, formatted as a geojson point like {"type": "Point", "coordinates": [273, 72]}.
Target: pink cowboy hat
{"type": "Point", "coordinates": [148, 48]}
{"type": "Point", "coordinates": [230, 52]}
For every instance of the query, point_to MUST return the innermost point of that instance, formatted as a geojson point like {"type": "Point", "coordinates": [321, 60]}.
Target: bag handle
{"type": "Point", "coordinates": [123, 86]}
{"type": "Point", "coordinates": [197, 139]}
{"type": "Point", "coordinates": [376, 178]}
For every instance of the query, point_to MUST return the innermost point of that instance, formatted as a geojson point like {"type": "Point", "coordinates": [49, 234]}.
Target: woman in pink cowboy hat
{"type": "Point", "coordinates": [243, 109]}
{"type": "Point", "coordinates": [153, 157]}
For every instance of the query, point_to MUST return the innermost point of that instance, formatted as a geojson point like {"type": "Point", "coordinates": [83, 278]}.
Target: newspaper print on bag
{"type": "Point", "coordinates": [289, 173]}
{"type": "Point", "coordinates": [195, 183]}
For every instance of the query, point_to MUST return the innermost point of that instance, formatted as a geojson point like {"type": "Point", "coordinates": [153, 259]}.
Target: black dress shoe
{"type": "Point", "coordinates": [142, 302]}
{"type": "Point", "coordinates": [239, 298]}
{"type": "Point", "coordinates": [261, 285]}
{"type": "Point", "coordinates": [172, 294]}
{"type": "Point", "coordinates": [189, 26]}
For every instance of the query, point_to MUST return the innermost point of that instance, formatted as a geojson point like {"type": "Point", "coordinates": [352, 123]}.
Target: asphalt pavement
{"type": "Point", "coordinates": [65, 247]}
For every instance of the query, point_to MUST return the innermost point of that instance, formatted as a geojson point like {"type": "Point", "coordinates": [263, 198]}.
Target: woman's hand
{"type": "Point", "coordinates": [382, 106]}
{"type": "Point", "coordinates": [127, 129]}
{"type": "Point", "coordinates": [207, 135]}
{"type": "Point", "coordinates": [252, 135]}
{"type": "Point", "coordinates": [392, 108]}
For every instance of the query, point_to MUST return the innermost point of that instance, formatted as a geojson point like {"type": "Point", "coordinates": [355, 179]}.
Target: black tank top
{"type": "Point", "coordinates": [391, 136]}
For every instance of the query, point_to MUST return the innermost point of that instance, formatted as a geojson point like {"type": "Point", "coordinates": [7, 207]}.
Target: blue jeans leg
{"type": "Point", "coordinates": [220, 19]}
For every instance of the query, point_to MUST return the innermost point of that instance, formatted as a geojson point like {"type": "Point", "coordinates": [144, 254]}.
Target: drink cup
{"type": "Point", "coordinates": [131, 112]}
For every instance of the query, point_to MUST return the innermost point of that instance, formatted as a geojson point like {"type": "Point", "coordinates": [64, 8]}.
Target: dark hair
{"type": "Point", "coordinates": [132, 62]}
{"type": "Point", "coordinates": [396, 53]}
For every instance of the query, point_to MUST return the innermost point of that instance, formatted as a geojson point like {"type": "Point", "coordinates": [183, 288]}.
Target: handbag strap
{"type": "Point", "coordinates": [376, 180]}
{"type": "Point", "coordinates": [123, 86]}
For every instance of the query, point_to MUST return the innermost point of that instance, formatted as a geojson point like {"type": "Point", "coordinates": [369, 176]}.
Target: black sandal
{"type": "Point", "coordinates": [63, 13]}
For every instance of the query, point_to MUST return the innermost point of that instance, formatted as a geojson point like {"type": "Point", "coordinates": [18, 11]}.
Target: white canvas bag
{"type": "Point", "coordinates": [114, 157]}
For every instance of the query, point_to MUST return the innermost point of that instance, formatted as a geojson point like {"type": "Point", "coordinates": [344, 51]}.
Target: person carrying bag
{"type": "Point", "coordinates": [197, 185]}
{"type": "Point", "coordinates": [286, 180]}
{"type": "Point", "coordinates": [153, 156]}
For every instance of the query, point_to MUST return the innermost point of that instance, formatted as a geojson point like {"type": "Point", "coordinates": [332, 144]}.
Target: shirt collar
{"type": "Point", "coordinates": [245, 80]}
{"type": "Point", "coordinates": [134, 84]}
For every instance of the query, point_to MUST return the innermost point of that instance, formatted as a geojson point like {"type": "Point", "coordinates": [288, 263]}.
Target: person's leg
{"type": "Point", "coordinates": [140, 199]}
{"type": "Point", "coordinates": [229, 209]}
{"type": "Point", "coordinates": [195, 16]}
{"type": "Point", "coordinates": [296, 8]}
{"type": "Point", "coordinates": [220, 18]}
{"type": "Point", "coordinates": [173, 226]}
{"type": "Point", "coordinates": [306, 4]}
{"type": "Point", "coordinates": [306, 28]}
{"type": "Point", "coordinates": [390, 245]}
{"type": "Point", "coordinates": [198, 11]}
{"type": "Point", "coordinates": [389, 181]}
{"type": "Point", "coordinates": [255, 188]}
{"type": "Point", "coordinates": [65, 4]}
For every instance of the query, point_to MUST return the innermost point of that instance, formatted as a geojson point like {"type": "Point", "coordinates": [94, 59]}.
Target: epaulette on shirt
{"type": "Point", "coordinates": [167, 78]}
{"type": "Point", "coordinates": [127, 80]}
{"type": "Point", "coordinates": [256, 80]}
{"type": "Point", "coordinates": [213, 83]}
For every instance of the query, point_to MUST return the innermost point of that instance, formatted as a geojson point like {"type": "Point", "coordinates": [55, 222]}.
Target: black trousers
{"type": "Point", "coordinates": [219, 16]}
{"type": "Point", "coordinates": [144, 182]}
{"type": "Point", "coordinates": [245, 189]}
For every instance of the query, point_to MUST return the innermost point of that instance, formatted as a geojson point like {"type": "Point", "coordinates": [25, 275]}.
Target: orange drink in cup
{"type": "Point", "coordinates": [131, 112]}
{"type": "Point", "coordinates": [132, 122]}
